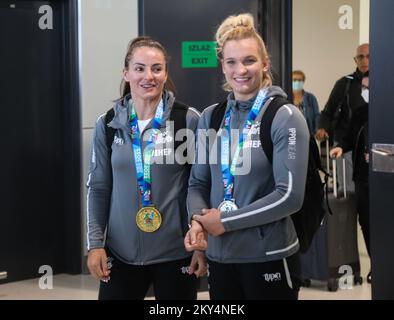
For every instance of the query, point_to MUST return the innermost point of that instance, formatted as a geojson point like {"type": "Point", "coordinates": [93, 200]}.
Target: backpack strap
{"type": "Point", "coordinates": [345, 98]}
{"type": "Point", "coordinates": [218, 115]}
{"type": "Point", "coordinates": [265, 130]}
{"type": "Point", "coordinates": [266, 124]}
{"type": "Point", "coordinates": [178, 115]}
{"type": "Point", "coordinates": [109, 131]}
{"type": "Point", "coordinates": [349, 80]}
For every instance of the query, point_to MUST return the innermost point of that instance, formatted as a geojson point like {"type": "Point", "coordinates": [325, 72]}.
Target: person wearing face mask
{"type": "Point", "coordinates": [305, 101]}
{"type": "Point", "coordinates": [356, 139]}
{"type": "Point", "coordinates": [137, 186]}
{"type": "Point", "coordinates": [238, 196]}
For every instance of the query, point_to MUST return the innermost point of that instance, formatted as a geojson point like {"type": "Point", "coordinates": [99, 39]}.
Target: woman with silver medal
{"type": "Point", "coordinates": [137, 213]}
{"type": "Point", "coordinates": [240, 205]}
{"type": "Point", "coordinates": [228, 171]}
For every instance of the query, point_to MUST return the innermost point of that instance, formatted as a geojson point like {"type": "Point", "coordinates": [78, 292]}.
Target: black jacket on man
{"type": "Point", "coordinates": [335, 118]}
{"type": "Point", "coordinates": [356, 139]}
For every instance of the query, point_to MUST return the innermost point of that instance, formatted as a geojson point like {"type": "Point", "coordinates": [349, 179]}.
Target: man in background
{"type": "Point", "coordinates": [344, 100]}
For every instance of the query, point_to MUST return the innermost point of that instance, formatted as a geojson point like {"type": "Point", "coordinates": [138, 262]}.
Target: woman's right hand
{"type": "Point", "coordinates": [196, 238]}
{"type": "Point", "coordinates": [336, 152]}
{"type": "Point", "coordinates": [198, 264]}
{"type": "Point", "coordinates": [97, 264]}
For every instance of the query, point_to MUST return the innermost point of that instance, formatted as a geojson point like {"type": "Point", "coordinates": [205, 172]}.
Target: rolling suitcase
{"type": "Point", "coordinates": [334, 251]}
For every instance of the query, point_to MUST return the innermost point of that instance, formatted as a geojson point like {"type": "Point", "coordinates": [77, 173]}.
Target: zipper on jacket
{"type": "Point", "coordinates": [140, 240]}
{"type": "Point", "coordinates": [140, 233]}
{"type": "Point", "coordinates": [139, 257]}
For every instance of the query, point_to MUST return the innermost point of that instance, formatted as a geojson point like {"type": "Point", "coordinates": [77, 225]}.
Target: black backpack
{"type": "Point", "coordinates": [308, 219]}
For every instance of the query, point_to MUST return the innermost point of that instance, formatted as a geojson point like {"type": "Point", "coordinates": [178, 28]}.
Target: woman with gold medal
{"type": "Point", "coordinates": [137, 186]}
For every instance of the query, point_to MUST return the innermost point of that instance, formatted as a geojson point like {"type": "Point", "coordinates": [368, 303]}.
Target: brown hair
{"type": "Point", "coordinates": [140, 42]}
{"type": "Point", "coordinates": [237, 28]}
{"type": "Point", "coordinates": [300, 73]}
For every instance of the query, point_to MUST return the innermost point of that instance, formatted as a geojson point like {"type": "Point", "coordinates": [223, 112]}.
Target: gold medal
{"type": "Point", "coordinates": [148, 219]}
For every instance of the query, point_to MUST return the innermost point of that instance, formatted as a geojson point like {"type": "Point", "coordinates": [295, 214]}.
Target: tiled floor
{"type": "Point", "coordinates": [84, 287]}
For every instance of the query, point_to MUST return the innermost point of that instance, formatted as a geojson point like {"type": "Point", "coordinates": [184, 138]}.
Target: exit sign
{"type": "Point", "coordinates": [199, 54]}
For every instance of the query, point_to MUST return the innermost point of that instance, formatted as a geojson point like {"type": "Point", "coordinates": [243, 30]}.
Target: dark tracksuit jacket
{"type": "Point", "coordinates": [333, 121]}
{"type": "Point", "coordinates": [261, 229]}
{"type": "Point", "coordinates": [356, 139]}
{"type": "Point", "coordinates": [112, 204]}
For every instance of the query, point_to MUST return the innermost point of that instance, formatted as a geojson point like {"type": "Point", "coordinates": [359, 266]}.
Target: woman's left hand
{"type": "Point", "coordinates": [210, 220]}
{"type": "Point", "coordinates": [198, 265]}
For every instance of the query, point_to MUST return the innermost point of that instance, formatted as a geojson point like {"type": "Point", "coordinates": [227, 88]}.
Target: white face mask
{"type": "Point", "coordinates": [365, 95]}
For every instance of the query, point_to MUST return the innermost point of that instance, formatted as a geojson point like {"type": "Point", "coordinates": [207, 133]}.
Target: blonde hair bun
{"type": "Point", "coordinates": [232, 25]}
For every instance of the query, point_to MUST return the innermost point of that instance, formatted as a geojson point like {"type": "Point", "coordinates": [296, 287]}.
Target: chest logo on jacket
{"type": "Point", "coordinates": [163, 138]}
{"type": "Point", "coordinates": [255, 128]}
{"type": "Point", "coordinates": [118, 141]}
{"type": "Point", "coordinates": [254, 142]}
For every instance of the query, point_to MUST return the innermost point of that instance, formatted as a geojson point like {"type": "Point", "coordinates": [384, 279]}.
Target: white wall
{"type": "Point", "coordinates": [106, 27]}
{"type": "Point", "coordinates": [364, 21]}
{"type": "Point", "coordinates": [320, 48]}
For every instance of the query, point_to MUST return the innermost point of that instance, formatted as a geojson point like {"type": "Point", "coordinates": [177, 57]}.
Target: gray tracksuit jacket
{"type": "Point", "coordinates": [113, 203]}
{"type": "Point", "coordinates": [266, 195]}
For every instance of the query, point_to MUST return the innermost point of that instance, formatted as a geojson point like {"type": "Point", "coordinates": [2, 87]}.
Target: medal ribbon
{"type": "Point", "coordinates": [227, 170]}
{"type": "Point", "coordinates": [143, 163]}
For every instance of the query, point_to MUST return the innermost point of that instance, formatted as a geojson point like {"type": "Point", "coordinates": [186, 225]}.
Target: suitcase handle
{"type": "Point", "coordinates": [328, 156]}
{"type": "Point", "coordinates": [334, 174]}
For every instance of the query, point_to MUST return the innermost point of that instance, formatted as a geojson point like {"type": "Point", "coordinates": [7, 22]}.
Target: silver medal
{"type": "Point", "coordinates": [227, 206]}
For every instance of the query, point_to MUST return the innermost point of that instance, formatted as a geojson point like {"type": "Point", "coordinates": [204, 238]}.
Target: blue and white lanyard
{"type": "Point", "coordinates": [143, 163]}
{"type": "Point", "coordinates": [227, 170]}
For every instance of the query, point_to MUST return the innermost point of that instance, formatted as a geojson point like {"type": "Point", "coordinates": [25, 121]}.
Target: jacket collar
{"type": "Point", "coordinates": [359, 75]}
{"type": "Point", "coordinates": [122, 111]}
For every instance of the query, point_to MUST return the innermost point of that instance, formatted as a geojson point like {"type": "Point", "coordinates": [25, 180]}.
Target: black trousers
{"type": "Point", "coordinates": [170, 281]}
{"type": "Point", "coordinates": [273, 280]}
{"type": "Point", "coordinates": [362, 199]}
